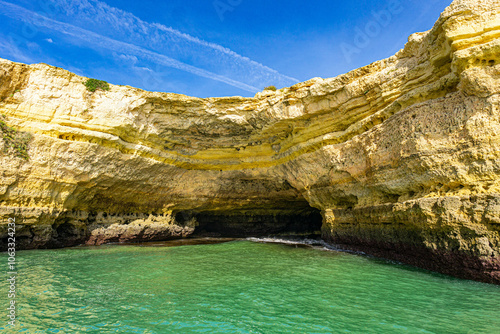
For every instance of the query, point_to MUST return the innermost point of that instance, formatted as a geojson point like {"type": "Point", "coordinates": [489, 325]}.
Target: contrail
{"type": "Point", "coordinates": [98, 41]}
{"type": "Point", "coordinates": [222, 49]}
{"type": "Point", "coordinates": [162, 39]}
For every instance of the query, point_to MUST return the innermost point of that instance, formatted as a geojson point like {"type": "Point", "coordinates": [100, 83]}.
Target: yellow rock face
{"type": "Point", "coordinates": [401, 156]}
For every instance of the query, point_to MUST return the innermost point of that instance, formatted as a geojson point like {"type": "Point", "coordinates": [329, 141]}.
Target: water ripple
{"type": "Point", "coordinates": [251, 286]}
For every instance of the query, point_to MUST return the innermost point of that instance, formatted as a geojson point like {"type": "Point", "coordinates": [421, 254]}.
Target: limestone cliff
{"type": "Point", "coordinates": [401, 157]}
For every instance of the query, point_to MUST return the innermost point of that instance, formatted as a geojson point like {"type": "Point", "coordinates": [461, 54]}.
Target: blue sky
{"type": "Point", "coordinates": [209, 47]}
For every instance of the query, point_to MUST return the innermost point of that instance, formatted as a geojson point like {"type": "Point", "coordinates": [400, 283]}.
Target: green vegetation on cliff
{"type": "Point", "coordinates": [15, 141]}
{"type": "Point", "coordinates": [94, 84]}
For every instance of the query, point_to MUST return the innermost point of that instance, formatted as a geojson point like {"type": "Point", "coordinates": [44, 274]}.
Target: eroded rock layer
{"type": "Point", "coordinates": [401, 157]}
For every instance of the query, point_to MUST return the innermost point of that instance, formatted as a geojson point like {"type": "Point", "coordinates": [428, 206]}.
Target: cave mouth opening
{"type": "Point", "coordinates": [236, 224]}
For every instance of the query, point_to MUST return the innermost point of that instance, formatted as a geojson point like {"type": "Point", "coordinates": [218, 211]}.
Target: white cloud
{"type": "Point", "coordinates": [123, 26]}
{"type": "Point", "coordinates": [147, 69]}
{"type": "Point", "coordinates": [100, 42]}
{"type": "Point", "coordinates": [124, 58]}
{"type": "Point", "coordinates": [49, 40]}
{"type": "Point", "coordinates": [9, 49]}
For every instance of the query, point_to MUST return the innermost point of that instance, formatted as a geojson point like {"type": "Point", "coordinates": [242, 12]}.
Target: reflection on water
{"type": "Point", "coordinates": [240, 287]}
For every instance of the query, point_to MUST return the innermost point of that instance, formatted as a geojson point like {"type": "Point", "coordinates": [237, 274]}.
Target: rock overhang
{"type": "Point", "coordinates": [369, 149]}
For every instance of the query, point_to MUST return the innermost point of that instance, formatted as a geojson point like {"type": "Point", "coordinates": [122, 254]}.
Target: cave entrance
{"type": "Point", "coordinates": [235, 224]}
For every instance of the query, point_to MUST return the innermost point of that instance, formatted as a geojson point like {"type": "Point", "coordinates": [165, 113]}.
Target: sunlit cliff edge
{"type": "Point", "coordinates": [400, 158]}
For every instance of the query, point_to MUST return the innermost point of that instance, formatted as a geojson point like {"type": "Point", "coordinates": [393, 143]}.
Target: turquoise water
{"type": "Point", "coordinates": [240, 287]}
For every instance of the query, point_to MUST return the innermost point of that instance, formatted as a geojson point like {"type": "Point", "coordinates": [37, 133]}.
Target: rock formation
{"type": "Point", "coordinates": [400, 158]}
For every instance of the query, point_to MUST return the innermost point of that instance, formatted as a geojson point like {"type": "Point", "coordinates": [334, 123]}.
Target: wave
{"type": "Point", "coordinates": [314, 243]}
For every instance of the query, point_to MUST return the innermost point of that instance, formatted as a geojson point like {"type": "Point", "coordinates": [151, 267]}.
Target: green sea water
{"type": "Point", "coordinates": [239, 287]}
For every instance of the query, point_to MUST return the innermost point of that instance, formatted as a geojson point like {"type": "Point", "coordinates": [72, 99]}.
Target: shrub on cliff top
{"type": "Point", "coordinates": [94, 84]}
{"type": "Point", "coordinates": [273, 88]}
{"type": "Point", "coordinates": [14, 141]}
